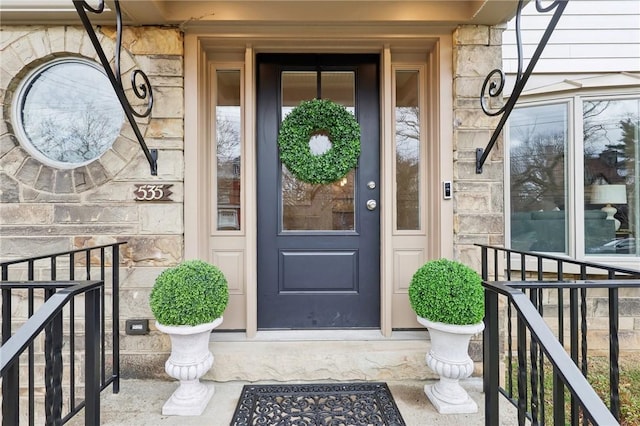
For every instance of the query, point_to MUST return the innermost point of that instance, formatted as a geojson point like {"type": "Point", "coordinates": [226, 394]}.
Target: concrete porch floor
{"type": "Point", "coordinates": [140, 403]}
{"type": "Point", "coordinates": [291, 356]}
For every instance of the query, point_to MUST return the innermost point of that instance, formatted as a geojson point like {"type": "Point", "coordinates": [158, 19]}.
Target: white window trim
{"type": "Point", "coordinates": [574, 162]}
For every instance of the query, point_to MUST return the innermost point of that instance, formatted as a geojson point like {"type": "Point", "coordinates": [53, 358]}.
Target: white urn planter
{"type": "Point", "coordinates": [190, 359]}
{"type": "Point", "coordinates": [449, 358]}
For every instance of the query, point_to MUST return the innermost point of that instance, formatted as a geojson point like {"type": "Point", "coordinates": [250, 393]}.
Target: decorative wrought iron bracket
{"type": "Point", "coordinates": [142, 90]}
{"type": "Point", "coordinates": [495, 88]}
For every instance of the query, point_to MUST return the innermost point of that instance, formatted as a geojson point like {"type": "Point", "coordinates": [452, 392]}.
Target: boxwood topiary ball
{"type": "Point", "coordinates": [319, 117]}
{"type": "Point", "coordinates": [191, 293]}
{"type": "Point", "coordinates": [447, 291]}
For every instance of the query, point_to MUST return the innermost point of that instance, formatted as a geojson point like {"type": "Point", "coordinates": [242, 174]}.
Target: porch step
{"type": "Point", "coordinates": [320, 355]}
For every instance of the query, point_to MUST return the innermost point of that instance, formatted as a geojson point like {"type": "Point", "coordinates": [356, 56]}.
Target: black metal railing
{"type": "Point", "coordinates": [48, 303]}
{"type": "Point", "coordinates": [546, 372]}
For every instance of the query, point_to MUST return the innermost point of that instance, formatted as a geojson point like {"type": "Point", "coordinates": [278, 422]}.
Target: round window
{"type": "Point", "coordinates": [66, 114]}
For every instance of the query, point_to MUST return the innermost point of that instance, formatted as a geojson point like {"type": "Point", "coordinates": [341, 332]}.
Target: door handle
{"type": "Point", "coordinates": [371, 204]}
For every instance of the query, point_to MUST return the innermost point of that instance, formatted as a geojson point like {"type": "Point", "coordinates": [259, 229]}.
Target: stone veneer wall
{"type": "Point", "coordinates": [478, 198]}
{"type": "Point", "coordinates": [45, 210]}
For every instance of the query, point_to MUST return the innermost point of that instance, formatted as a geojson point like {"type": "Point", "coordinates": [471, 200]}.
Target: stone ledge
{"type": "Point", "coordinates": [320, 360]}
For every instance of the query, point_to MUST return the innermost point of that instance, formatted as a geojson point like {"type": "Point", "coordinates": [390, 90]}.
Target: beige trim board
{"type": "Point", "coordinates": [200, 49]}
{"type": "Point", "coordinates": [386, 193]}
{"type": "Point", "coordinates": [198, 13]}
{"type": "Point", "coordinates": [196, 210]}
{"type": "Point", "coordinates": [251, 213]}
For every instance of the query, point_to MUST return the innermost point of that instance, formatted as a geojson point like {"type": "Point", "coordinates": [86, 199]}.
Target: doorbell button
{"type": "Point", "coordinates": [446, 189]}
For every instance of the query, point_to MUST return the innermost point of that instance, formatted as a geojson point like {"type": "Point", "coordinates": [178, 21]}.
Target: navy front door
{"type": "Point", "coordinates": [318, 245]}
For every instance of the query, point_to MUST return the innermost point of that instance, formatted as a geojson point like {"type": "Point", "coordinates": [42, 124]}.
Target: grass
{"type": "Point", "coordinates": [598, 376]}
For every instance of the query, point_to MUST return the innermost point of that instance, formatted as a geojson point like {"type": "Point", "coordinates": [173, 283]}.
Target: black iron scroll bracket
{"type": "Point", "coordinates": [142, 90]}
{"type": "Point", "coordinates": [495, 87]}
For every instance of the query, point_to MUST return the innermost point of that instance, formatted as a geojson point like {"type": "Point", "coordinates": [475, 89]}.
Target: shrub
{"type": "Point", "coordinates": [191, 293]}
{"type": "Point", "coordinates": [447, 291]}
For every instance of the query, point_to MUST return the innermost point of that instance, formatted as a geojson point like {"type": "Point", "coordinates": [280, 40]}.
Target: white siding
{"type": "Point", "coordinates": [591, 37]}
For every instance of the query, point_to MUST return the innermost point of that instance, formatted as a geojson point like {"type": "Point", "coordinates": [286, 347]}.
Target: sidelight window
{"type": "Point", "coordinates": [228, 142]}
{"type": "Point", "coordinates": [408, 131]}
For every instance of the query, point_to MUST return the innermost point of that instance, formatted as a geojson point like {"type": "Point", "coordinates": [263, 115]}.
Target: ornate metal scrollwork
{"type": "Point", "coordinates": [142, 90]}
{"type": "Point", "coordinates": [493, 88]}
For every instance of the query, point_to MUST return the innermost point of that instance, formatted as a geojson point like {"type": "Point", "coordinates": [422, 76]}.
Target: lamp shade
{"type": "Point", "coordinates": [608, 194]}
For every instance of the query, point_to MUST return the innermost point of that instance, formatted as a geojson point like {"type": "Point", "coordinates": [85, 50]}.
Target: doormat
{"type": "Point", "coordinates": [334, 404]}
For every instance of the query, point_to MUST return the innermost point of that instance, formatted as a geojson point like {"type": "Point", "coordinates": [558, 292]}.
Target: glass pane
{"type": "Point", "coordinates": [317, 207]}
{"type": "Point", "coordinates": [538, 146]}
{"type": "Point", "coordinates": [407, 125]}
{"type": "Point", "coordinates": [611, 219]}
{"type": "Point", "coordinates": [297, 86]}
{"type": "Point", "coordinates": [70, 113]}
{"type": "Point", "coordinates": [307, 207]}
{"type": "Point", "coordinates": [228, 140]}
{"type": "Point", "coordinates": [339, 87]}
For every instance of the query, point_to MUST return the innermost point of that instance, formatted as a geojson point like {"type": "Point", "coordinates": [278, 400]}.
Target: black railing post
{"type": "Point", "coordinates": [115, 323]}
{"type": "Point", "coordinates": [72, 358]}
{"type": "Point", "coordinates": [490, 349]}
{"type": "Point", "coordinates": [31, 352]}
{"type": "Point", "coordinates": [11, 380]}
{"type": "Point", "coordinates": [573, 339]}
{"type": "Point", "coordinates": [614, 353]}
{"type": "Point", "coordinates": [583, 322]}
{"type": "Point", "coordinates": [491, 359]}
{"type": "Point", "coordinates": [534, 376]}
{"type": "Point", "coordinates": [92, 357]}
{"type": "Point", "coordinates": [103, 314]}
{"type": "Point", "coordinates": [509, 349]}
{"type": "Point", "coordinates": [11, 396]}
{"type": "Point", "coordinates": [53, 367]}
{"type": "Point", "coordinates": [522, 370]}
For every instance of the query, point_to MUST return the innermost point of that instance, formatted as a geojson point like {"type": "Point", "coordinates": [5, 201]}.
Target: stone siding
{"type": "Point", "coordinates": [478, 198]}
{"type": "Point", "coordinates": [46, 210]}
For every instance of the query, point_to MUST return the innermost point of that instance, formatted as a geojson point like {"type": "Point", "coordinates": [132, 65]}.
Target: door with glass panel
{"type": "Point", "coordinates": [318, 244]}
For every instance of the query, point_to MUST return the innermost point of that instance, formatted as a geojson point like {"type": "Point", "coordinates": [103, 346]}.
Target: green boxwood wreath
{"type": "Point", "coordinates": [319, 117]}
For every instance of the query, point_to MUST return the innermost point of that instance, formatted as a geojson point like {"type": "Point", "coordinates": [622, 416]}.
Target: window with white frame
{"type": "Point", "coordinates": [65, 112]}
{"type": "Point", "coordinates": [573, 172]}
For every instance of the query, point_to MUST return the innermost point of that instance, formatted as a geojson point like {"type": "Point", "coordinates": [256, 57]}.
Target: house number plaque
{"type": "Point", "coordinates": [152, 192]}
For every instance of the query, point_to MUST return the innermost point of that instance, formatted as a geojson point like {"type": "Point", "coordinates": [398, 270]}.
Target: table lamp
{"type": "Point", "coordinates": [609, 194]}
